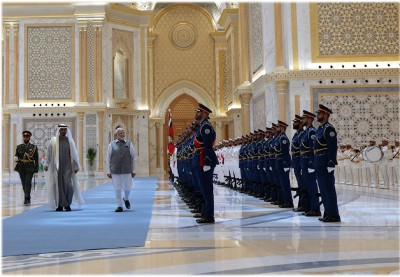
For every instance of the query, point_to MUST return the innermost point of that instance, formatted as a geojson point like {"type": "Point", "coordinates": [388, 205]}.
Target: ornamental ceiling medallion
{"type": "Point", "coordinates": [183, 36]}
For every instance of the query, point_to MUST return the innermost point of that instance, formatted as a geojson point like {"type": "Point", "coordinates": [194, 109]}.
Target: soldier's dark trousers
{"type": "Point", "coordinates": [26, 181]}
{"type": "Point", "coordinates": [284, 182]}
{"type": "Point", "coordinates": [326, 183]}
{"type": "Point", "coordinates": [301, 186]}
{"type": "Point", "coordinates": [206, 188]}
{"type": "Point", "coordinates": [311, 185]}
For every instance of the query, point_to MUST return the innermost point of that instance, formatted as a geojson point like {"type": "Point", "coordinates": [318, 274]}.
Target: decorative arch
{"type": "Point", "coordinates": [203, 11]}
{"type": "Point", "coordinates": [177, 89]}
{"type": "Point", "coordinates": [123, 46]}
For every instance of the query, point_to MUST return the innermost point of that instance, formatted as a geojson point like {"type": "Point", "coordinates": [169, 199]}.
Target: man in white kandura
{"type": "Point", "coordinates": [121, 167]}
{"type": "Point", "coordinates": [61, 166]}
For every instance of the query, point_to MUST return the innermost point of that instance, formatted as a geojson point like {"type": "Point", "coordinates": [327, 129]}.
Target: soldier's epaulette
{"type": "Point", "coordinates": [326, 127]}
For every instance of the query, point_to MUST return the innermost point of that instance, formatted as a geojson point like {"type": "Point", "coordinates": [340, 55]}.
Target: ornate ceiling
{"type": "Point", "coordinates": [214, 8]}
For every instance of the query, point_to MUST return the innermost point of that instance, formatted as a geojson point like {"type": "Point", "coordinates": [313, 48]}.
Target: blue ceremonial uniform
{"type": "Point", "coordinates": [296, 165]}
{"type": "Point", "coordinates": [283, 161]}
{"type": "Point", "coordinates": [205, 156]}
{"type": "Point", "coordinates": [325, 149]}
{"type": "Point", "coordinates": [307, 162]}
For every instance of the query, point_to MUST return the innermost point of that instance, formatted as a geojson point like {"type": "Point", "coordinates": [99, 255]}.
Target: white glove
{"type": "Point", "coordinates": [330, 169]}
{"type": "Point", "coordinates": [270, 168]}
{"type": "Point", "coordinates": [206, 168]}
{"type": "Point", "coordinates": [258, 167]}
{"type": "Point", "coordinates": [16, 159]}
{"type": "Point", "coordinates": [264, 169]}
{"type": "Point", "coordinates": [310, 170]}
{"type": "Point", "coordinates": [286, 169]}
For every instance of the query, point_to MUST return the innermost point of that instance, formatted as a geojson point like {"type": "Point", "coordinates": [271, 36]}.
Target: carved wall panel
{"type": "Point", "coordinates": [259, 120]}
{"type": "Point", "coordinates": [256, 36]}
{"type": "Point", "coordinates": [360, 113]}
{"type": "Point", "coordinates": [49, 60]}
{"type": "Point", "coordinates": [355, 29]}
{"type": "Point", "coordinates": [90, 61]}
{"type": "Point", "coordinates": [183, 49]}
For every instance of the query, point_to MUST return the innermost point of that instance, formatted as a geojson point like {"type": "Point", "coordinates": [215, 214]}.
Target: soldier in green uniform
{"type": "Point", "coordinates": [27, 158]}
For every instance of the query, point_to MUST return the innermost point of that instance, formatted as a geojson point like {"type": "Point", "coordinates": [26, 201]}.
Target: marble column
{"type": "Point", "coordinates": [157, 124]}
{"type": "Point", "coordinates": [235, 116]}
{"type": "Point", "coordinates": [150, 41]}
{"type": "Point", "coordinates": [243, 42]}
{"type": "Point", "coordinates": [83, 61]}
{"type": "Point", "coordinates": [81, 116]}
{"type": "Point", "coordinates": [282, 86]}
{"type": "Point", "coordinates": [245, 112]}
{"type": "Point", "coordinates": [100, 116]}
{"type": "Point", "coordinates": [219, 127]}
{"type": "Point", "coordinates": [7, 64]}
{"type": "Point", "coordinates": [97, 60]}
{"type": "Point", "coordinates": [6, 142]}
{"type": "Point", "coordinates": [16, 46]}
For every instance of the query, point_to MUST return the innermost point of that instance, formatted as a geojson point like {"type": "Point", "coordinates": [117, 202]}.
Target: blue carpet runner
{"type": "Point", "coordinates": [94, 226]}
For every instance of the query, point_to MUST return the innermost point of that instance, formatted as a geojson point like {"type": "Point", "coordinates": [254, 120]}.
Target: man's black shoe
{"type": "Point", "coordinates": [68, 209]}
{"type": "Point", "coordinates": [331, 219]}
{"type": "Point", "coordinates": [26, 202]}
{"type": "Point", "coordinates": [118, 210]}
{"type": "Point", "coordinates": [313, 213]}
{"type": "Point", "coordinates": [127, 204]}
{"type": "Point", "coordinates": [195, 211]}
{"type": "Point", "coordinates": [321, 219]}
{"type": "Point", "coordinates": [59, 209]}
{"type": "Point", "coordinates": [205, 220]}
{"type": "Point", "coordinates": [197, 215]}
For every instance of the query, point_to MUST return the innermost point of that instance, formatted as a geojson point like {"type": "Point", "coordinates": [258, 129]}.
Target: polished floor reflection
{"type": "Point", "coordinates": [250, 236]}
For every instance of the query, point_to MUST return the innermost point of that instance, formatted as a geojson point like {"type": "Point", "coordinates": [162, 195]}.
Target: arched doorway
{"type": "Point", "coordinates": [182, 111]}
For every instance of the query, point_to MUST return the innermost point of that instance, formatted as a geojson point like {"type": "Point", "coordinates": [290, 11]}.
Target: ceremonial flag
{"type": "Point", "coordinates": [170, 128]}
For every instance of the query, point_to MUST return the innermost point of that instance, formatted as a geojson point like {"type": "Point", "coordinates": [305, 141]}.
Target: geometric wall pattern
{"type": "Point", "coordinates": [44, 129]}
{"type": "Point", "coordinates": [256, 36]}
{"type": "Point", "coordinates": [362, 113]}
{"type": "Point", "coordinates": [90, 61]}
{"type": "Point", "coordinates": [49, 60]}
{"type": "Point", "coordinates": [228, 93]}
{"type": "Point", "coordinates": [358, 28]}
{"type": "Point", "coordinates": [173, 64]}
{"type": "Point", "coordinates": [259, 120]}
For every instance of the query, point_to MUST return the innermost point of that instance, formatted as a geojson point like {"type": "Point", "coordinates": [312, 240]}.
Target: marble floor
{"type": "Point", "coordinates": [250, 236]}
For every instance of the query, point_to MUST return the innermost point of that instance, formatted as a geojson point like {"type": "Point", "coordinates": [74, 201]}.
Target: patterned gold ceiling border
{"type": "Point", "coordinates": [350, 32]}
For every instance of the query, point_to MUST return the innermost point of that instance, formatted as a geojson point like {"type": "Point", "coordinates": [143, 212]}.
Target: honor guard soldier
{"type": "Point", "coordinates": [308, 166]}
{"type": "Point", "coordinates": [296, 164]}
{"type": "Point", "coordinates": [283, 162]}
{"type": "Point", "coordinates": [27, 158]}
{"type": "Point", "coordinates": [206, 161]}
{"type": "Point", "coordinates": [325, 149]}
